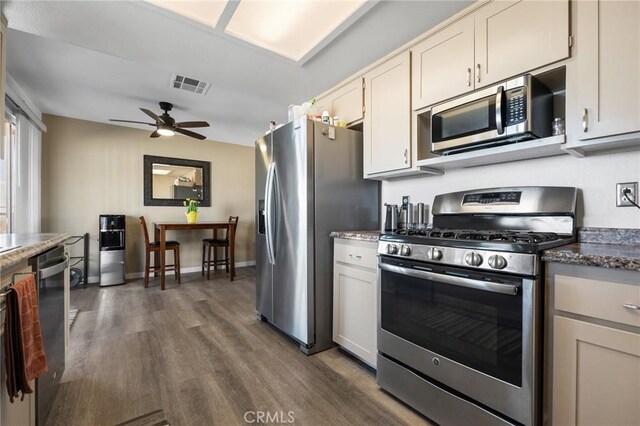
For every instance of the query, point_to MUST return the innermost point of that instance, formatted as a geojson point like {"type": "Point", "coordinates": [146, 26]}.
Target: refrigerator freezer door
{"type": "Point", "coordinates": [293, 296]}
{"type": "Point", "coordinates": [264, 269]}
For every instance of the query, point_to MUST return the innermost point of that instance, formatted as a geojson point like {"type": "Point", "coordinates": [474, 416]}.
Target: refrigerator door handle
{"type": "Point", "coordinates": [268, 200]}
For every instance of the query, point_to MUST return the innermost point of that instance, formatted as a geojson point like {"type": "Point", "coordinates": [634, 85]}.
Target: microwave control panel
{"type": "Point", "coordinates": [511, 197]}
{"type": "Point", "coordinates": [516, 105]}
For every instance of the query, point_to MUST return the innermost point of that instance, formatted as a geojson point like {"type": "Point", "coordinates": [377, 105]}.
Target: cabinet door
{"type": "Point", "coordinates": [513, 37]}
{"type": "Point", "coordinates": [322, 104]}
{"type": "Point", "coordinates": [387, 123]}
{"type": "Point", "coordinates": [347, 102]}
{"type": "Point", "coordinates": [354, 311]}
{"type": "Point", "coordinates": [608, 55]}
{"type": "Point", "coordinates": [443, 64]}
{"type": "Point", "coordinates": [596, 375]}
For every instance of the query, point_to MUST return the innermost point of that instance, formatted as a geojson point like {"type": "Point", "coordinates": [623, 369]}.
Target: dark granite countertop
{"type": "Point", "coordinates": [602, 247]}
{"type": "Point", "coordinates": [26, 246]}
{"type": "Point", "coordinates": [356, 235]}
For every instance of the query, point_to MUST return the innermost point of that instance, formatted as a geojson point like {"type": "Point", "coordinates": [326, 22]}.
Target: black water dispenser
{"type": "Point", "coordinates": [112, 249]}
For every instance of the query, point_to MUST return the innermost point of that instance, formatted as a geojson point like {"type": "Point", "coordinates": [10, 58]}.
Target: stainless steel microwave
{"type": "Point", "coordinates": [512, 111]}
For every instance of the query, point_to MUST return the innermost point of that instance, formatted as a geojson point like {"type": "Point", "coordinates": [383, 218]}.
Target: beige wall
{"type": "Point", "coordinates": [91, 168]}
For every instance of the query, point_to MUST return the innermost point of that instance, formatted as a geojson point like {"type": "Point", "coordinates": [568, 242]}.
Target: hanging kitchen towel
{"type": "Point", "coordinates": [24, 353]}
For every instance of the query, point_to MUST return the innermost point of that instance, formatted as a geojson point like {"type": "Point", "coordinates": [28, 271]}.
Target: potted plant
{"type": "Point", "coordinates": [192, 210]}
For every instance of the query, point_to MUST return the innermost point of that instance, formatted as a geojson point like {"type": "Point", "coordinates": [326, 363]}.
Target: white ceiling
{"type": "Point", "coordinates": [96, 60]}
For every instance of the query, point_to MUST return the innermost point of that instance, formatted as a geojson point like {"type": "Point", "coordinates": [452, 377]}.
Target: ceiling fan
{"type": "Point", "coordinates": [165, 124]}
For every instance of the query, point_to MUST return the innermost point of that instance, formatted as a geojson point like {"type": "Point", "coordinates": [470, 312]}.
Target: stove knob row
{"type": "Point", "coordinates": [497, 262]}
{"type": "Point", "coordinates": [392, 249]}
{"type": "Point", "coordinates": [473, 259]}
{"type": "Point", "coordinates": [434, 254]}
{"type": "Point", "coordinates": [405, 250]}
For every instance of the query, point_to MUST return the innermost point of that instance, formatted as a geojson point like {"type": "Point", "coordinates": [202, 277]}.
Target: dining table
{"type": "Point", "coordinates": [160, 235]}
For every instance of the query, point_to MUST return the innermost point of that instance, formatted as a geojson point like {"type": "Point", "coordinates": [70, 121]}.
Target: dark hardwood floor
{"type": "Point", "coordinates": [197, 352]}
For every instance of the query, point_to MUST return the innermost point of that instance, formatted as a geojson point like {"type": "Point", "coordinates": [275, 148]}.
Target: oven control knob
{"type": "Point", "coordinates": [434, 254]}
{"type": "Point", "coordinates": [473, 259]}
{"type": "Point", "coordinates": [405, 250]}
{"type": "Point", "coordinates": [497, 262]}
{"type": "Point", "coordinates": [392, 249]}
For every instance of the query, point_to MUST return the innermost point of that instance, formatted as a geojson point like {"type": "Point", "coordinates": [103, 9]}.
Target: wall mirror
{"type": "Point", "coordinates": [169, 181]}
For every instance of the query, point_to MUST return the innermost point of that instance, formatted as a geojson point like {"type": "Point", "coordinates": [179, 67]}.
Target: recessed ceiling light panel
{"type": "Point", "coordinates": [206, 12]}
{"type": "Point", "coordinates": [289, 28]}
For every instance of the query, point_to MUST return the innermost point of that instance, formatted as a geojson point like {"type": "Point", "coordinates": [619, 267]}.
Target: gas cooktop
{"type": "Point", "coordinates": [514, 241]}
{"type": "Point", "coordinates": [491, 229]}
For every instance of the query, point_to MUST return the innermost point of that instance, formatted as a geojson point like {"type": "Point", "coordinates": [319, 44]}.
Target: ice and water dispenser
{"type": "Point", "coordinates": [111, 243]}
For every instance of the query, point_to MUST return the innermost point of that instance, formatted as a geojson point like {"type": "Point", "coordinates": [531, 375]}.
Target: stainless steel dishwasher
{"type": "Point", "coordinates": [50, 269]}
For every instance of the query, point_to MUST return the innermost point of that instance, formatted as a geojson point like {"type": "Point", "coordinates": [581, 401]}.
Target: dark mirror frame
{"type": "Point", "coordinates": [149, 160]}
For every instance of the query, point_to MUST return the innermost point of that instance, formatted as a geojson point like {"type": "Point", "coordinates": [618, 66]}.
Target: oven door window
{"type": "Point", "coordinates": [477, 328]}
{"type": "Point", "coordinates": [478, 116]}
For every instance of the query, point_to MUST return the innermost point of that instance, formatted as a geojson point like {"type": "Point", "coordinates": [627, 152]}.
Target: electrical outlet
{"type": "Point", "coordinates": [405, 200]}
{"type": "Point", "coordinates": [621, 200]}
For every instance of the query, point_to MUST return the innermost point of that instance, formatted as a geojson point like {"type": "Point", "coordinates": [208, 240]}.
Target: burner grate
{"type": "Point", "coordinates": [478, 235]}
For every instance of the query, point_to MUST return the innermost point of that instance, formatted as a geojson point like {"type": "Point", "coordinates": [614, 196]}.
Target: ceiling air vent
{"type": "Point", "coordinates": [190, 84]}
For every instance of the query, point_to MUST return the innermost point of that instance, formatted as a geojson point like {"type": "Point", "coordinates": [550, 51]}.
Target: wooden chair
{"type": "Point", "coordinates": [154, 247]}
{"type": "Point", "coordinates": [228, 243]}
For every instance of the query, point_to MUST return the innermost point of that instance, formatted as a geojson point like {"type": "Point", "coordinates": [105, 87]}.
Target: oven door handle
{"type": "Point", "coordinates": [55, 269]}
{"type": "Point", "coordinates": [509, 289]}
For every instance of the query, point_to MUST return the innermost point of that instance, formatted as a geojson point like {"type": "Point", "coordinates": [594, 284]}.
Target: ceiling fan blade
{"type": "Point", "coordinates": [129, 121]}
{"type": "Point", "coordinates": [155, 134]}
{"type": "Point", "coordinates": [185, 124]}
{"type": "Point", "coordinates": [190, 133]}
{"type": "Point", "coordinates": [152, 115]}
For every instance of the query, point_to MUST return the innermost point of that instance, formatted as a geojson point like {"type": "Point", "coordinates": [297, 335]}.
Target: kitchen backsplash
{"type": "Point", "coordinates": [595, 176]}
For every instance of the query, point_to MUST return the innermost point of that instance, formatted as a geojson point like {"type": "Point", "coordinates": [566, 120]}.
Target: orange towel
{"type": "Point", "coordinates": [24, 352]}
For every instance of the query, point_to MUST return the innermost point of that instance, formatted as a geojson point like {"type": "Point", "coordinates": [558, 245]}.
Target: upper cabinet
{"type": "Point", "coordinates": [446, 56]}
{"type": "Point", "coordinates": [514, 37]}
{"type": "Point", "coordinates": [603, 100]}
{"type": "Point", "coordinates": [346, 102]}
{"type": "Point", "coordinates": [499, 40]}
{"type": "Point", "coordinates": [387, 122]}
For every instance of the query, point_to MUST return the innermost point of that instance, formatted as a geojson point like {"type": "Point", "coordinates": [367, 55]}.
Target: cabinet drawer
{"type": "Point", "coordinates": [598, 299]}
{"type": "Point", "coordinates": [354, 252]}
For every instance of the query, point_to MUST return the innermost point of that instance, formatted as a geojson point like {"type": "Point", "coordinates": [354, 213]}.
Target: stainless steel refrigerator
{"type": "Point", "coordinates": [308, 183]}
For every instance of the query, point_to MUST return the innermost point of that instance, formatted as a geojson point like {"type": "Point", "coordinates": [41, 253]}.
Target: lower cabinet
{"type": "Point", "coordinates": [596, 378]}
{"type": "Point", "coordinates": [595, 323]}
{"type": "Point", "coordinates": [354, 298]}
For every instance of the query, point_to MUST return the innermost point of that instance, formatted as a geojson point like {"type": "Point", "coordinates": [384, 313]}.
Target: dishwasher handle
{"type": "Point", "coordinates": [54, 269]}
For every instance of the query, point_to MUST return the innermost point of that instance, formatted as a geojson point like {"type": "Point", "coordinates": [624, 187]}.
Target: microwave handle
{"type": "Point", "coordinates": [499, 120]}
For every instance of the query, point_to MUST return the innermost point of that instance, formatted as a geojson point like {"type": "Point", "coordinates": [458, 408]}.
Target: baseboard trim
{"type": "Point", "coordinates": [134, 275]}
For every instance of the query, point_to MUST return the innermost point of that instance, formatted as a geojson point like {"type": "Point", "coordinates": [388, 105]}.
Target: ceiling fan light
{"type": "Point", "coordinates": [166, 131]}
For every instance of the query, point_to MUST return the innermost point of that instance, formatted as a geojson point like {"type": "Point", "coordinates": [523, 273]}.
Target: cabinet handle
{"type": "Point", "coordinates": [478, 73]}
{"type": "Point", "coordinates": [406, 158]}
{"type": "Point", "coordinates": [585, 120]}
{"type": "Point", "coordinates": [355, 256]}
{"type": "Point", "coordinates": [632, 307]}
{"type": "Point", "coordinates": [468, 76]}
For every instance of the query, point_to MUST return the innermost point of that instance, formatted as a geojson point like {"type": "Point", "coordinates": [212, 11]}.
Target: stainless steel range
{"type": "Point", "coordinates": [461, 304]}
